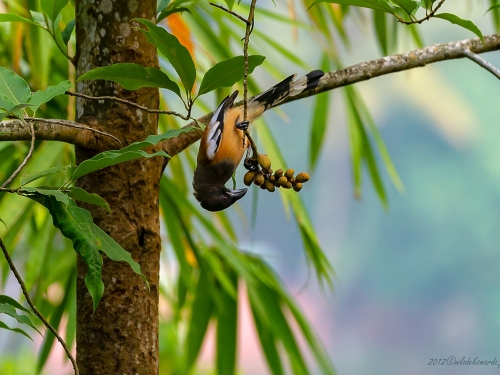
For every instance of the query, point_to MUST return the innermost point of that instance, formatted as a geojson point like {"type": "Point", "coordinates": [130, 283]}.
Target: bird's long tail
{"type": "Point", "coordinates": [287, 87]}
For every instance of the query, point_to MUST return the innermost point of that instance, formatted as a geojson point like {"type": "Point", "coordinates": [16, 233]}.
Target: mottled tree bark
{"type": "Point", "coordinates": [122, 336]}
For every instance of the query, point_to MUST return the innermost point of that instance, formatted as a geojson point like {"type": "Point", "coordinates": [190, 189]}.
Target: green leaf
{"type": "Point", "coordinates": [168, 12]}
{"type": "Point", "coordinates": [229, 3]}
{"type": "Point", "coordinates": [76, 223]}
{"type": "Point", "coordinates": [227, 324]}
{"type": "Point", "coordinates": [174, 51]}
{"type": "Point", "coordinates": [37, 175]}
{"type": "Point", "coordinates": [3, 222]}
{"type": "Point", "coordinates": [131, 152]}
{"type": "Point", "coordinates": [15, 111]}
{"type": "Point", "coordinates": [13, 87]}
{"type": "Point", "coordinates": [132, 76]}
{"type": "Point", "coordinates": [57, 194]}
{"type": "Point", "coordinates": [228, 72]}
{"type": "Point", "coordinates": [380, 5]}
{"type": "Point", "coordinates": [461, 22]}
{"type": "Point", "coordinates": [201, 311]}
{"type": "Point", "coordinates": [39, 19]}
{"type": "Point", "coordinates": [77, 193]}
{"type": "Point", "coordinates": [319, 121]}
{"type": "Point", "coordinates": [52, 8]}
{"type": "Point", "coordinates": [495, 6]}
{"type": "Point", "coordinates": [161, 4]}
{"type": "Point", "coordinates": [268, 344]}
{"type": "Point", "coordinates": [23, 319]}
{"type": "Point", "coordinates": [115, 252]}
{"type": "Point", "coordinates": [409, 6]}
{"type": "Point", "coordinates": [18, 330]}
{"type": "Point", "coordinates": [8, 17]}
{"type": "Point", "coordinates": [43, 96]}
{"type": "Point", "coordinates": [66, 34]}
{"type": "Point", "coordinates": [11, 301]}
{"type": "Point", "coordinates": [380, 23]}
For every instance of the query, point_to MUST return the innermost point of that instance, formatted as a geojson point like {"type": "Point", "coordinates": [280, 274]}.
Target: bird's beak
{"type": "Point", "coordinates": [237, 194]}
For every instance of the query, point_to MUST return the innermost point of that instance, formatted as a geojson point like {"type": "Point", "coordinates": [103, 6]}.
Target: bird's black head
{"type": "Point", "coordinates": [218, 197]}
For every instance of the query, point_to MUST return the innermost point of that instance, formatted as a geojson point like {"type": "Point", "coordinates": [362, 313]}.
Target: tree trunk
{"type": "Point", "coordinates": [122, 336]}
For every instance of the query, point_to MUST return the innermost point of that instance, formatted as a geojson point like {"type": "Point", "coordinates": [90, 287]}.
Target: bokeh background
{"type": "Point", "coordinates": [417, 281]}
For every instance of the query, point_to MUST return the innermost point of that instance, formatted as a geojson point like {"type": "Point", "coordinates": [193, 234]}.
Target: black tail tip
{"type": "Point", "coordinates": [313, 78]}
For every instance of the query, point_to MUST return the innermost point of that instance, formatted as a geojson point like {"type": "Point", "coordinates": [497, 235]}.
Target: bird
{"type": "Point", "coordinates": [224, 143]}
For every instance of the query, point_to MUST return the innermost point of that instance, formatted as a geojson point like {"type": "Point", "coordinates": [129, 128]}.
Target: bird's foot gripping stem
{"type": "Point", "coordinates": [251, 163]}
{"type": "Point", "coordinates": [243, 125]}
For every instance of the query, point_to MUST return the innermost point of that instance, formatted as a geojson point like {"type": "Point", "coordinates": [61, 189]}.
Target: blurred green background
{"type": "Point", "coordinates": [415, 282]}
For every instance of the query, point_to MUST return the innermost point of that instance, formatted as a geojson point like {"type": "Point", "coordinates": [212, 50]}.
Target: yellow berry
{"type": "Point", "coordinates": [278, 173]}
{"type": "Point", "coordinates": [264, 161]}
{"type": "Point", "coordinates": [289, 173]}
{"type": "Point", "coordinates": [248, 178]}
{"type": "Point", "coordinates": [269, 186]}
{"type": "Point", "coordinates": [282, 181]}
{"type": "Point", "coordinates": [302, 177]}
{"type": "Point", "coordinates": [259, 179]}
{"type": "Point", "coordinates": [297, 186]}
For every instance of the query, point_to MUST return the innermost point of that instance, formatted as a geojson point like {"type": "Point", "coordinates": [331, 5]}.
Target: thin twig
{"type": "Point", "coordinates": [132, 104]}
{"type": "Point", "coordinates": [33, 307]}
{"type": "Point", "coordinates": [248, 31]}
{"type": "Point", "coordinates": [230, 12]}
{"type": "Point", "coordinates": [71, 125]}
{"type": "Point", "coordinates": [482, 62]}
{"type": "Point", "coordinates": [30, 152]}
{"type": "Point", "coordinates": [428, 15]}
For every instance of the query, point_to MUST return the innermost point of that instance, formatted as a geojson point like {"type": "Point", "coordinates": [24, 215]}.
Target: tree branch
{"type": "Point", "coordinates": [12, 130]}
{"type": "Point", "coordinates": [58, 130]}
{"type": "Point", "coordinates": [364, 71]}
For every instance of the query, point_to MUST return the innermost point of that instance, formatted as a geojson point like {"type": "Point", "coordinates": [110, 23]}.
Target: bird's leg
{"type": "Point", "coordinates": [250, 162]}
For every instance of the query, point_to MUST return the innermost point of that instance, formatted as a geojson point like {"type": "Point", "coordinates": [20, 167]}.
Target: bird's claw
{"type": "Point", "coordinates": [243, 125]}
{"type": "Point", "coordinates": [251, 164]}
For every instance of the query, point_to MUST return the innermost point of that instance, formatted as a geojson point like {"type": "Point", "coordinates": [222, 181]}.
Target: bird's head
{"type": "Point", "coordinates": [218, 197]}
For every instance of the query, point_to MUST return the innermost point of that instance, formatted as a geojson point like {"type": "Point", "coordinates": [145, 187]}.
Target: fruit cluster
{"type": "Point", "coordinates": [266, 179]}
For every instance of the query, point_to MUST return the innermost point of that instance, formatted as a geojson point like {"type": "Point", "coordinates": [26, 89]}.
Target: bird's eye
{"type": "Point", "coordinates": [224, 197]}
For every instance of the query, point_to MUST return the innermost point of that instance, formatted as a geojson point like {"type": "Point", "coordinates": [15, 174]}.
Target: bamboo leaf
{"type": "Point", "coordinates": [169, 12]}
{"type": "Point", "coordinates": [66, 34]}
{"type": "Point", "coordinates": [201, 311]}
{"type": "Point", "coordinates": [18, 330]}
{"type": "Point", "coordinates": [226, 73]}
{"type": "Point", "coordinates": [227, 324]}
{"type": "Point", "coordinates": [11, 301]}
{"type": "Point", "coordinates": [22, 319]}
{"type": "Point", "coordinates": [132, 76]}
{"type": "Point", "coordinates": [380, 5]}
{"type": "Point", "coordinates": [176, 53]}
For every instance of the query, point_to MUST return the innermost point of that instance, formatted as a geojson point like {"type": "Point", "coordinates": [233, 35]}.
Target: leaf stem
{"type": "Point", "coordinates": [33, 307]}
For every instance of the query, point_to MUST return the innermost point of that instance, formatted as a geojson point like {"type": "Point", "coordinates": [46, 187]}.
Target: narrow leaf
{"type": "Point", "coordinates": [380, 5]}
{"type": "Point", "coordinates": [228, 72]}
{"type": "Point", "coordinates": [168, 12]}
{"type": "Point", "coordinates": [132, 76]}
{"type": "Point", "coordinates": [22, 319]}
{"type": "Point", "coordinates": [66, 34]}
{"type": "Point", "coordinates": [201, 311]}
{"type": "Point", "coordinates": [37, 175]}
{"type": "Point", "coordinates": [8, 17]}
{"type": "Point", "coordinates": [11, 301]}
{"type": "Point", "coordinates": [114, 251]}
{"type": "Point", "coordinates": [174, 51]}
{"type": "Point", "coordinates": [227, 323]}
{"type": "Point", "coordinates": [18, 330]}
{"type": "Point", "coordinates": [84, 196]}
{"type": "Point", "coordinates": [461, 22]}
{"type": "Point", "coordinates": [43, 96]}
{"type": "Point", "coordinates": [131, 152]}
{"type": "Point", "coordinates": [56, 194]}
